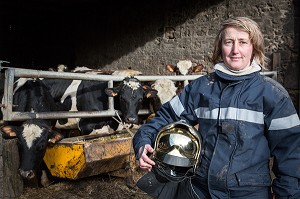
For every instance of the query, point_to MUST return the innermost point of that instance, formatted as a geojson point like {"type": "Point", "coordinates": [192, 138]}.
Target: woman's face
{"type": "Point", "coordinates": [236, 49]}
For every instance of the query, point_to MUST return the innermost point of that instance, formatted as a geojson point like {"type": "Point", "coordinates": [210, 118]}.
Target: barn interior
{"type": "Point", "coordinates": [143, 35]}
{"type": "Point", "coordinates": [41, 34]}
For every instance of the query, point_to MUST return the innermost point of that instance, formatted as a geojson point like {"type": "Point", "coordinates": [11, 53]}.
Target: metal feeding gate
{"type": "Point", "coordinates": [11, 73]}
{"type": "Point", "coordinates": [83, 156]}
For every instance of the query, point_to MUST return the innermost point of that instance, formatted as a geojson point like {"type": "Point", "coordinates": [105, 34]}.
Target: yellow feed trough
{"type": "Point", "coordinates": [89, 155]}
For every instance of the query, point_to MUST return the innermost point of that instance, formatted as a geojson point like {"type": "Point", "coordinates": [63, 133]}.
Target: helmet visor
{"type": "Point", "coordinates": [176, 146]}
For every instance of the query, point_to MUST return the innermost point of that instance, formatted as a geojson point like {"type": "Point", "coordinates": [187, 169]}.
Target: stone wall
{"type": "Point", "coordinates": [193, 39]}
{"type": "Point", "coordinates": [143, 35]}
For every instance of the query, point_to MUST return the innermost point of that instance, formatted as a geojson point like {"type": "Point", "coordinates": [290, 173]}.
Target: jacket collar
{"type": "Point", "coordinates": [225, 73]}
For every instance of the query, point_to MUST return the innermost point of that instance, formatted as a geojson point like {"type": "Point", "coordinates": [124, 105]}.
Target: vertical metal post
{"type": "Point", "coordinates": [110, 99]}
{"type": "Point", "coordinates": [8, 94]}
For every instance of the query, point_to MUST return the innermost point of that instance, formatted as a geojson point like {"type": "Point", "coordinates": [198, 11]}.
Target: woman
{"type": "Point", "coordinates": [244, 119]}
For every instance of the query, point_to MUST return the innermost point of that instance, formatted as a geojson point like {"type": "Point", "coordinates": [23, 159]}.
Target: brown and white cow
{"type": "Point", "coordinates": [184, 67]}
{"type": "Point", "coordinates": [167, 89]}
{"type": "Point", "coordinates": [160, 92]}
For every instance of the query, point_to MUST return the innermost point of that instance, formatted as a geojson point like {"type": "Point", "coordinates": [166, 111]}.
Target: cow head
{"type": "Point", "coordinates": [33, 137]}
{"type": "Point", "coordinates": [130, 95]}
{"type": "Point", "coordinates": [151, 99]}
{"type": "Point", "coordinates": [184, 67]}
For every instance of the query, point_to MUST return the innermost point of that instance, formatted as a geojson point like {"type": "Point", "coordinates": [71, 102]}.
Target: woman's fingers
{"type": "Point", "coordinates": [145, 165]}
{"type": "Point", "coordinates": [145, 161]}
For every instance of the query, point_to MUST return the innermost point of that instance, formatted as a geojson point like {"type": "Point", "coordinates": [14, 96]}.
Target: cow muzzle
{"type": "Point", "coordinates": [131, 120]}
{"type": "Point", "coordinates": [27, 174]}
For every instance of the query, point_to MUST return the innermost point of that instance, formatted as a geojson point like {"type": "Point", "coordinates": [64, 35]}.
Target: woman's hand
{"type": "Point", "coordinates": [145, 161]}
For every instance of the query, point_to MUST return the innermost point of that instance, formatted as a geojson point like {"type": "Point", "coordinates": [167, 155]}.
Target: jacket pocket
{"type": "Point", "coordinates": [253, 179]}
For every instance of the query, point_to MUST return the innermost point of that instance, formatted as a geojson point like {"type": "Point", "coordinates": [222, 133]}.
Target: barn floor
{"type": "Point", "coordinates": [101, 186]}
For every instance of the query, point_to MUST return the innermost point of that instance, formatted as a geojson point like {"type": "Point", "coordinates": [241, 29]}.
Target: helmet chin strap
{"type": "Point", "coordinates": [170, 174]}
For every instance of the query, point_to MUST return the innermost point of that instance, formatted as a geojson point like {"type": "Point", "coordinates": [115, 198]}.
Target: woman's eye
{"type": "Point", "coordinates": [228, 42]}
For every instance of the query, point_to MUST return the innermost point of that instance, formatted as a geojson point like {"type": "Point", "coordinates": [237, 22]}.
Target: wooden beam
{"type": "Point", "coordinates": [11, 184]}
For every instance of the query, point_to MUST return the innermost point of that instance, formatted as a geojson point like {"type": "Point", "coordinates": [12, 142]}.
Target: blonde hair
{"type": "Point", "coordinates": [255, 36]}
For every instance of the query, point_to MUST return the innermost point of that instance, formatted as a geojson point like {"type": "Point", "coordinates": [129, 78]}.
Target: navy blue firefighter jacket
{"type": "Point", "coordinates": [243, 121]}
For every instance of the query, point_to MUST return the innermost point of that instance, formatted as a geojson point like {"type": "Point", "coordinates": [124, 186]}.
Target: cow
{"type": "Point", "coordinates": [159, 92]}
{"type": "Point", "coordinates": [184, 67]}
{"type": "Point", "coordinates": [166, 89]}
{"type": "Point", "coordinates": [33, 135]}
{"type": "Point", "coordinates": [44, 95]}
{"type": "Point", "coordinates": [59, 68]}
{"type": "Point", "coordinates": [84, 95]}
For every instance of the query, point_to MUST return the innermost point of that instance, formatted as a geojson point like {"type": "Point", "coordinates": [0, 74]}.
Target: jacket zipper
{"type": "Point", "coordinates": [219, 124]}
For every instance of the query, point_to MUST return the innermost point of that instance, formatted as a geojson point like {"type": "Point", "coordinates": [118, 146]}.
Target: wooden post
{"type": "Point", "coordinates": [11, 184]}
{"type": "Point", "coordinates": [276, 62]}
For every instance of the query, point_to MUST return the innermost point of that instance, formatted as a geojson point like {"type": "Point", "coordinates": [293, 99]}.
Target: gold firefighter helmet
{"type": "Point", "coordinates": [179, 145]}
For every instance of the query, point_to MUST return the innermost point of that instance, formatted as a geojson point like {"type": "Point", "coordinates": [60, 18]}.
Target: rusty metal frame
{"type": "Point", "coordinates": [11, 73]}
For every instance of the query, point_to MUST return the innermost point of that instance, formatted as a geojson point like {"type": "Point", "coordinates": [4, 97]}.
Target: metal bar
{"type": "Point", "coordinates": [16, 116]}
{"type": "Point", "coordinates": [8, 95]}
{"type": "Point", "coordinates": [272, 74]}
{"type": "Point", "coordinates": [28, 73]}
{"type": "Point", "coordinates": [111, 99]}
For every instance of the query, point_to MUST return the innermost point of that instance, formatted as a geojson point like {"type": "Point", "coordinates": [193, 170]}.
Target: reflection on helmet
{"type": "Point", "coordinates": [177, 146]}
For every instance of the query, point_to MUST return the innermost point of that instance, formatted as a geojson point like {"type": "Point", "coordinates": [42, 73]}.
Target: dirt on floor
{"type": "Point", "coordinates": [100, 186]}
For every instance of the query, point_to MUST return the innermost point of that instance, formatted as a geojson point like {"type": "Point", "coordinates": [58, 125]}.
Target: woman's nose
{"type": "Point", "coordinates": [235, 48]}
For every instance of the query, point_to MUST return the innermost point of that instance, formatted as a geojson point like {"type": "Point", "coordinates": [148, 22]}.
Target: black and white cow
{"type": "Point", "coordinates": [83, 95]}
{"type": "Point", "coordinates": [45, 95]}
{"type": "Point", "coordinates": [32, 135]}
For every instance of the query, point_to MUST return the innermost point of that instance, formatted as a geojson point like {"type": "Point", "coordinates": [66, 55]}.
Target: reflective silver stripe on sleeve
{"type": "Point", "coordinates": [177, 105]}
{"type": "Point", "coordinates": [231, 113]}
{"type": "Point", "coordinates": [205, 113]}
{"type": "Point", "coordinates": [284, 122]}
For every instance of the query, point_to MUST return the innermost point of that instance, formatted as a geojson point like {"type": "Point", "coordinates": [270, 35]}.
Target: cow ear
{"type": "Point", "coordinates": [9, 132]}
{"type": "Point", "coordinates": [171, 68]}
{"type": "Point", "coordinates": [54, 136]}
{"type": "Point", "coordinates": [111, 92]}
{"type": "Point", "coordinates": [196, 69]}
{"type": "Point", "coordinates": [146, 87]}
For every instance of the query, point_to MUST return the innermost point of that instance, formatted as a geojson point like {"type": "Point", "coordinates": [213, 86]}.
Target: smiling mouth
{"type": "Point", "coordinates": [235, 58]}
